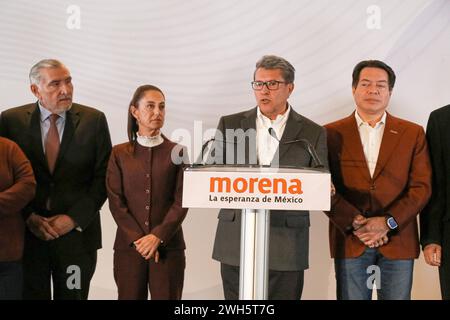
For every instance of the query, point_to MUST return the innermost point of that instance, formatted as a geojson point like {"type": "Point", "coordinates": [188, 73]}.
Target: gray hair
{"type": "Point", "coordinates": [274, 62]}
{"type": "Point", "coordinates": [35, 75]}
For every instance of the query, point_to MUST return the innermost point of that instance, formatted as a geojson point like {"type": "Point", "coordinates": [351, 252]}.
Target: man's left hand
{"type": "Point", "coordinates": [62, 223]}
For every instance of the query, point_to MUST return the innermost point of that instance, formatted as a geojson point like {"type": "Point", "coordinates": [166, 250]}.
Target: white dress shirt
{"type": "Point", "coordinates": [371, 139]}
{"type": "Point", "coordinates": [266, 144]}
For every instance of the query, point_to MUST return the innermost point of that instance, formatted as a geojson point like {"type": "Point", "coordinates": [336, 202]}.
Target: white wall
{"type": "Point", "coordinates": [202, 54]}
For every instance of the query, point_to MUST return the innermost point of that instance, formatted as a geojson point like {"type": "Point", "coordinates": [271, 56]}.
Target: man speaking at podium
{"type": "Point", "coordinates": [271, 131]}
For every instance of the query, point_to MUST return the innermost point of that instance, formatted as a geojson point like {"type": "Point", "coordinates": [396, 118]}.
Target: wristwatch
{"type": "Point", "coordinates": [391, 223]}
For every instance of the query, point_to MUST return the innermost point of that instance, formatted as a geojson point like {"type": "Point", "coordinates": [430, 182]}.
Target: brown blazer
{"type": "Point", "coordinates": [17, 188]}
{"type": "Point", "coordinates": [145, 194]}
{"type": "Point", "coordinates": [400, 186]}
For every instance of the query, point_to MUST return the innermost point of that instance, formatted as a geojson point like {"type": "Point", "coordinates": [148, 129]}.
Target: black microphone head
{"type": "Point", "coordinates": [273, 134]}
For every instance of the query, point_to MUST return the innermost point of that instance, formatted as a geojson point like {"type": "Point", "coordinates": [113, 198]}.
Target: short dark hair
{"type": "Point", "coordinates": [373, 64]}
{"type": "Point", "coordinates": [271, 62]}
{"type": "Point", "coordinates": [132, 122]}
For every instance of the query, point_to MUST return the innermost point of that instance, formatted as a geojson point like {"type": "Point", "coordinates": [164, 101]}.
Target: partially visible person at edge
{"type": "Point", "coordinates": [435, 218]}
{"type": "Point", "coordinates": [17, 188]}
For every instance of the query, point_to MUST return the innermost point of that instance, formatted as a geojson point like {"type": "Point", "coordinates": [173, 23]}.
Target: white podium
{"type": "Point", "coordinates": [255, 190]}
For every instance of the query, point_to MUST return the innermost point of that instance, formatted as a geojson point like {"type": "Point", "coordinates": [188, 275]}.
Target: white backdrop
{"type": "Point", "coordinates": [202, 55]}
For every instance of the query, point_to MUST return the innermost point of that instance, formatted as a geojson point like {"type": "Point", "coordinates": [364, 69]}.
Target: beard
{"type": "Point", "coordinates": [57, 108]}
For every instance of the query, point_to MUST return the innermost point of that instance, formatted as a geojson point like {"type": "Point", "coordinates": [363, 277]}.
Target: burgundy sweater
{"type": "Point", "coordinates": [145, 194]}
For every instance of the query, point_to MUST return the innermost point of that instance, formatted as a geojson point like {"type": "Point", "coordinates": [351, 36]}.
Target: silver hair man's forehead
{"type": "Point", "coordinates": [35, 75]}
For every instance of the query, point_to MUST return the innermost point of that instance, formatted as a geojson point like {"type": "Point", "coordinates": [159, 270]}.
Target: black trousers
{"type": "Point", "coordinates": [11, 280]}
{"type": "Point", "coordinates": [283, 285]}
{"type": "Point", "coordinates": [70, 272]}
{"type": "Point", "coordinates": [444, 269]}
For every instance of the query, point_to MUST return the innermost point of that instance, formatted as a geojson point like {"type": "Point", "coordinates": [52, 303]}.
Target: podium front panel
{"type": "Point", "coordinates": [256, 188]}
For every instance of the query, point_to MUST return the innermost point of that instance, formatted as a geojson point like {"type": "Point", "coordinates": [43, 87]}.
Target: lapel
{"type": "Point", "coordinates": [72, 120]}
{"type": "Point", "coordinates": [391, 137]}
{"type": "Point", "coordinates": [291, 132]}
{"type": "Point", "coordinates": [352, 142]}
{"type": "Point", "coordinates": [249, 122]}
{"type": "Point", "coordinates": [33, 123]}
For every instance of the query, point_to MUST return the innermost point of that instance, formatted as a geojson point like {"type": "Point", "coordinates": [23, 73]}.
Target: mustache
{"type": "Point", "coordinates": [64, 97]}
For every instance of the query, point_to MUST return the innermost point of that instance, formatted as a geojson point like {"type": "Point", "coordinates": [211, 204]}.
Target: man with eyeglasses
{"type": "Point", "coordinates": [267, 127]}
{"type": "Point", "coordinates": [382, 174]}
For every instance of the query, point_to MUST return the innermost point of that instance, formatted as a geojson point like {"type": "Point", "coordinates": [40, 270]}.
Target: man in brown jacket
{"type": "Point", "coordinates": [17, 188]}
{"type": "Point", "coordinates": [382, 174]}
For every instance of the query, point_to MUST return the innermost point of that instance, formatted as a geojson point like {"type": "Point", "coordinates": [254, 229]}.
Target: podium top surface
{"type": "Point", "coordinates": [254, 169]}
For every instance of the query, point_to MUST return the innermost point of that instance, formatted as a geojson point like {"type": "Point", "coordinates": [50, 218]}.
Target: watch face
{"type": "Point", "coordinates": [391, 223]}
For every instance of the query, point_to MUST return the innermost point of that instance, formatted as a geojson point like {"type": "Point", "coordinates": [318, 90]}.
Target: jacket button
{"type": "Point", "coordinates": [147, 191]}
{"type": "Point", "coordinates": [146, 223]}
{"type": "Point", "coordinates": [147, 175]}
{"type": "Point", "coordinates": [147, 207]}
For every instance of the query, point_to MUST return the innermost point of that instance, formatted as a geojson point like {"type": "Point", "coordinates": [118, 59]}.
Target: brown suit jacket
{"type": "Point", "coordinates": [17, 188]}
{"type": "Point", "coordinates": [400, 186]}
{"type": "Point", "coordinates": [145, 194]}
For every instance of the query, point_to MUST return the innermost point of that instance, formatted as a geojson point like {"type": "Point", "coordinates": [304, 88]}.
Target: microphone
{"type": "Point", "coordinates": [200, 161]}
{"type": "Point", "coordinates": [204, 146]}
{"type": "Point", "coordinates": [309, 148]}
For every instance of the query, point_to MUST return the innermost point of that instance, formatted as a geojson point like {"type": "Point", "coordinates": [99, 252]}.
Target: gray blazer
{"type": "Point", "coordinates": [289, 230]}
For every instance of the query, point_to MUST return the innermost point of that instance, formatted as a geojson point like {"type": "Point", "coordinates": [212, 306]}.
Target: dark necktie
{"type": "Point", "coordinates": [52, 143]}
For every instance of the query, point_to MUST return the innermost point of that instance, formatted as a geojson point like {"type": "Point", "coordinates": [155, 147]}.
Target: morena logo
{"type": "Point", "coordinates": [252, 185]}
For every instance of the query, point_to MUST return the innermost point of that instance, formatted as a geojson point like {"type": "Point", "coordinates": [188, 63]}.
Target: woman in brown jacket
{"type": "Point", "coordinates": [145, 183]}
{"type": "Point", "coordinates": [17, 188]}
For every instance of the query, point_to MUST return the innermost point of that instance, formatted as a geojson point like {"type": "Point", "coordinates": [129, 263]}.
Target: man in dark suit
{"type": "Point", "coordinates": [289, 230]}
{"type": "Point", "coordinates": [382, 173]}
{"type": "Point", "coordinates": [68, 145]}
{"type": "Point", "coordinates": [435, 218]}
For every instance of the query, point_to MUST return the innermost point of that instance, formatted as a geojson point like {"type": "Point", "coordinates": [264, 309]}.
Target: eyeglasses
{"type": "Point", "coordinates": [271, 85]}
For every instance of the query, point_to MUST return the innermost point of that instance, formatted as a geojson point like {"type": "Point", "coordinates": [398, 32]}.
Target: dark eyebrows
{"type": "Point", "coordinates": [367, 80]}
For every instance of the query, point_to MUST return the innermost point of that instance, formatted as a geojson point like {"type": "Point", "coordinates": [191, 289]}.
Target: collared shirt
{"type": "Point", "coordinates": [149, 141]}
{"type": "Point", "coordinates": [371, 139]}
{"type": "Point", "coordinates": [267, 145]}
{"type": "Point", "coordinates": [45, 124]}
